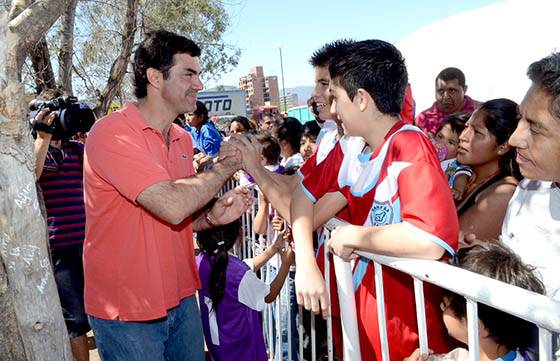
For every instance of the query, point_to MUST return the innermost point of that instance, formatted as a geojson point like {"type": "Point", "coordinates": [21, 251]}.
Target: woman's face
{"type": "Point", "coordinates": [477, 146]}
{"type": "Point", "coordinates": [307, 146]}
{"type": "Point", "coordinates": [236, 128]}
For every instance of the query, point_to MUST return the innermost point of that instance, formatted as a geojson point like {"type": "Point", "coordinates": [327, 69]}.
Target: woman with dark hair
{"type": "Point", "coordinates": [483, 146]}
{"type": "Point", "coordinates": [288, 134]}
{"type": "Point", "coordinates": [239, 124]}
{"type": "Point", "coordinates": [232, 295]}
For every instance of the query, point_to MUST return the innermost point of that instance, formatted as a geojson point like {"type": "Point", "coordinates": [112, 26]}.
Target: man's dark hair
{"type": "Point", "coordinates": [456, 121]}
{"type": "Point", "coordinates": [322, 56]}
{"type": "Point", "coordinates": [157, 51]}
{"type": "Point", "coordinates": [495, 260]}
{"type": "Point", "coordinates": [451, 73]}
{"type": "Point", "coordinates": [201, 110]}
{"type": "Point", "coordinates": [270, 148]}
{"type": "Point", "coordinates": [375, 66]}
{"type": "Point", "coordinates": [545, 73]}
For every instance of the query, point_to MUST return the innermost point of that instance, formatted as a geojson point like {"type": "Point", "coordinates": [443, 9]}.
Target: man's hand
{"type": "Point", "coordinates": [251, 150]}
{"type": "Point", "coordinates": [311, 290]}
{"type": "Point", "coordinates": [339, 242]}
{"type": "Point", "coordinates": [230, 155]}
{"type": "Point", "coordinates": [45, 116]}
{"type": "Point", "coordinates": [231, 205]}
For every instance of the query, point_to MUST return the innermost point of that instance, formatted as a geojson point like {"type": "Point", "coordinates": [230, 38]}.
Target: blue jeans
{"type": "Point", "coordinates": [177, 337]}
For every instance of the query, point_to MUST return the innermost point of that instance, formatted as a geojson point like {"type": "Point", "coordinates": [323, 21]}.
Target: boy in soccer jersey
{"type": "Point", "coordinates": [389, 178]}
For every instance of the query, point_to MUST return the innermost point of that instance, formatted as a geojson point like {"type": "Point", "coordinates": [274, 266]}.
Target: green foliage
{"type": "Point", "coordinates": [98, 37]}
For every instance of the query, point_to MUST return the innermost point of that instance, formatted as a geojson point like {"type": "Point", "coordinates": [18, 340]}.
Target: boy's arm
{"type": "Point", "coordinates": [310, 284]}
{"type": "Point", "coordinates": [398, 240]}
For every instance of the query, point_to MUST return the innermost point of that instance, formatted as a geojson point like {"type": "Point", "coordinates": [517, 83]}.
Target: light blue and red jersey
{"type": "Point", "coordinates": [400, 182]}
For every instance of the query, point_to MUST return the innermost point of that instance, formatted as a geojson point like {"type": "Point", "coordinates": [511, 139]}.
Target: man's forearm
{"type": "Point", "coordinates": [41, 146]}
{"type": "Point", "coordinates": [173, 201]}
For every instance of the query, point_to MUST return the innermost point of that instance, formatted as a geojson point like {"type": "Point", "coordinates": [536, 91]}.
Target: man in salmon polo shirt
{"type": "Point", "coordinates": [142, 205]}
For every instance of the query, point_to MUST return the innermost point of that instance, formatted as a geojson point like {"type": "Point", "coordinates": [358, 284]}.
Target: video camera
{"type": "Point", "coordinates": [71, 116]}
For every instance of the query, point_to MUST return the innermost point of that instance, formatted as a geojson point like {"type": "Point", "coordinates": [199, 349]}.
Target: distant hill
{"type": "Point", "coordinates": [303, 93]}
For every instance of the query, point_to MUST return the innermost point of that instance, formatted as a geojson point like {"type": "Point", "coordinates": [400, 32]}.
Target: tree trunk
{"type": "Point", "coordinates": [31, 316]}
{"type": "Point", "coordinates": [67, 47]}
{"type": "Point", "coordinates": [118, 69]}
{"type": "Point", "coordinates": [42, 67]}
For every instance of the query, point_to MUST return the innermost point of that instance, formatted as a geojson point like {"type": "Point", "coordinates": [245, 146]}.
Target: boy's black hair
{"type": "Point", "coordinates": [545, 73]}
{"type": "Point", "coordinates": [270, 148]}
{"type": "Point", "coordinates": [375, 66]}
{"type": "Point", "coordinates": [290, 130]}
{"type": "Point", "coordinates": [216, 242]}
{"type": "Point", "coordinates": [456, 121]}
{"type": "Point", "coordinates": [451, 73]}
{"type": "Point", "coordinates": [157, 51]}
{"type": "Point", "coordinates": [495, 260]}
{"type": "Point", "coordinates": [322, 56]}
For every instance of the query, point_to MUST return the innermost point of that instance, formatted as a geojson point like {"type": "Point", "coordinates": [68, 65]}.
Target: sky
{"type": "Point", "coordinates": [258, 26]}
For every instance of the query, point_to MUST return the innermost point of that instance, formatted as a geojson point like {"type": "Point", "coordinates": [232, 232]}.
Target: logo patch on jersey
{"type": "Point", "coordinates": [381, 213]}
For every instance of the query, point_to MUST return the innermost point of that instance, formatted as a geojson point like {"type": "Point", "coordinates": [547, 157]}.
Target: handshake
{"type": "Point", "coordinates": [240, 151]}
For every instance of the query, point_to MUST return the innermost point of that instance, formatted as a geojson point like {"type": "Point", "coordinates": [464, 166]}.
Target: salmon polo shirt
{"type": "Point", "coordinates": [136, 266]}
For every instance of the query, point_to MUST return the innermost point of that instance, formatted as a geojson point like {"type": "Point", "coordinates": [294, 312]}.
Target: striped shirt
{"type": "Point", "coordinates": [63, 191]}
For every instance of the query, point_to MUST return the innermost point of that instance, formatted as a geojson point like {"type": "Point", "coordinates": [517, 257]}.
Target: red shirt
{"type": "Point", "coordinates": [430, 119]}
{"type": "Point", "coordinates": [401, 181]}
{"type": "Point", "coordinates": [136, 266]}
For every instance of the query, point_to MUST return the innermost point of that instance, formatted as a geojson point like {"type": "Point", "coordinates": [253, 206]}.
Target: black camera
{"type": "Point", "coordinates": [71, 116]}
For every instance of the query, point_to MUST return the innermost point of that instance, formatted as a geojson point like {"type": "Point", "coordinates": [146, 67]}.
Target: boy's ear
{"type": "Point", "coordinates": [363, 99]}
{"type": "Point", "coordinates": [482, 329]}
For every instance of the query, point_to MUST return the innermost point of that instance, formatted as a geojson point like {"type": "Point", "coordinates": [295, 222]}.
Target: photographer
{"type": "Point", "coordinates": [59, 172]}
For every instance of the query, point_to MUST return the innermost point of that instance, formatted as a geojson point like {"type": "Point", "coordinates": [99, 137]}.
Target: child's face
{"type": "Point", "coordinates": [450, 139]}
{"type": "Point", "coordinates": [307, 146]}
{"type": "Point", "coordinates": [347, 111]}
{"type": "Point", "coordinates": [456, 327]}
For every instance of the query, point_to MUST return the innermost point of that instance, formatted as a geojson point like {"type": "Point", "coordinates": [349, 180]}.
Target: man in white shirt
{"type": "Point", "coordinates": [532, 222]}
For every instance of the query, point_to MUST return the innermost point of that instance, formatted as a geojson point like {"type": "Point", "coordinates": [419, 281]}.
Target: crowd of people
{"type": "Point", "coordinates": [470, 182]}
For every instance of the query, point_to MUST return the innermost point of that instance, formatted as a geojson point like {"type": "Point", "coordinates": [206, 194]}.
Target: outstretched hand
{"type": "Point", "coordinates": [250, 149]}
{"type": "Point", "coordinates": [338, 243]}
{"type": "Point", "coordinates": [231, 205]}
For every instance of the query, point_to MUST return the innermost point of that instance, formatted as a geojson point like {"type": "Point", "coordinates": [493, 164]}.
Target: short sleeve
{"type": "Point", "coordinates": [324, 178]}
{"type": "Point", "coordinates": [119, 155]}
{"type": "Point", "coordinates": [429, 209]}
{"type": "Point", "coordinates": [252, 291]}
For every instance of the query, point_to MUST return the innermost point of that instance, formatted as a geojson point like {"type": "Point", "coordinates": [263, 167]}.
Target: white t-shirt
{"type": "Point", "coordinates": [295, 160]}
{"type": "Point", "coordinates": [532, 230]}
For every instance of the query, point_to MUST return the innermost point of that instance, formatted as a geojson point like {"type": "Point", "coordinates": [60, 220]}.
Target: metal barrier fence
{"type": "Point", "coordinates": [537, 309]}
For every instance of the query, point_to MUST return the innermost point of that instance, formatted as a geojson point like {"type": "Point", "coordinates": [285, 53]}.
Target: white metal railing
{"type": "Point", "coordinates": [535, 308]}
{"type": "Point", "coordinates": [538, 309]}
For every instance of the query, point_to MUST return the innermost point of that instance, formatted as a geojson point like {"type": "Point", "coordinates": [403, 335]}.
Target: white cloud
{"type": "Point", "coordinates": [493, 46]}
